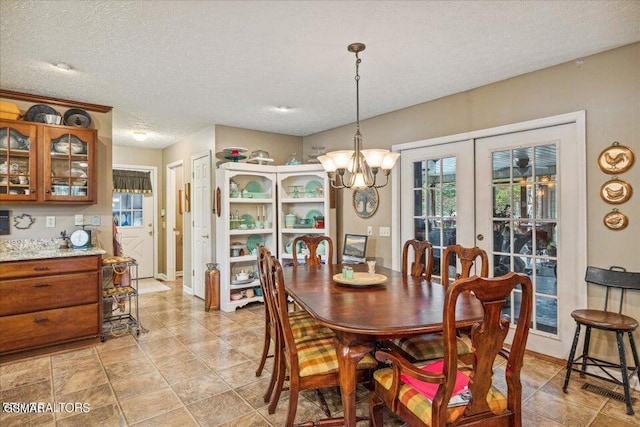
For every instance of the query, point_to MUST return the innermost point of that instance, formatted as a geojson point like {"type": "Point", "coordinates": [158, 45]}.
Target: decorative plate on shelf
{"type": "Point", "coordinates": [313, 213]}
{"type": "Point", "coordinates": [254, 187]}
{"type": "Point", "coordinates": [253, 240]}
{"type": "Point", "coordinates": [313, 188]}
{"type": "Point", "coordinates": [249, 220]}
{"type": "Point", "coordinates": [37, 111]}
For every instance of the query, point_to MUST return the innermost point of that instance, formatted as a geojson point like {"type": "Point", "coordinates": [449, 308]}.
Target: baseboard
{"type": "Point", "coordinates": [187, 290]}
{"type": "Point", "coordinates": [161, 276]}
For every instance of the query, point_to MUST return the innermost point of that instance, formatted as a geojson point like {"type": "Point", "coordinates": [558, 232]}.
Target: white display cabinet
{"type": "Point", "coordinates": [246, 215]}
{"type": "Point", "coordinates": [303, 207]}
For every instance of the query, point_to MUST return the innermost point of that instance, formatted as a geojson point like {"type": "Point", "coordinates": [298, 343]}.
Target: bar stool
{"type": "Point", "coordinates": [615, 277]}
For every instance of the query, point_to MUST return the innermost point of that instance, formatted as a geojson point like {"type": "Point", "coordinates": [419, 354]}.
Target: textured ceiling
{"type": "Point", "coordinates": [174, 67]}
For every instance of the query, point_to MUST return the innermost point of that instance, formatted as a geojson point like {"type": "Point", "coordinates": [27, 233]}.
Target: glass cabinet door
{"type": "Point", "coordinates": [69, 164]}
{"type": "Point", "coordinates": [17, 161]}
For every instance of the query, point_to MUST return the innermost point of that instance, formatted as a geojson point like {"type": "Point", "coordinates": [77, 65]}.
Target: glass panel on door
{"type": "Point", "coordinates": [525, 226]}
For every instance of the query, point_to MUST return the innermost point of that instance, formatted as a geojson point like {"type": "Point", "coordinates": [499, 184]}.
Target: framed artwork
{"type": "Point", "coordinates": [615, 159]}
{"type": "Point", "coordinates": [615, 220]}
{"type": "Point", "coordinates": [187, 197]}
{"type": "Point", "coordinates": [615, 191]}
{"type": "Point", "coordinates": [365, 202]}
{"type": "Point", "coordinates": [180, 211]}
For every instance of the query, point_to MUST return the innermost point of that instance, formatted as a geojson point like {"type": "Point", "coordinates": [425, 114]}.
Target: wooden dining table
{"type": "Point", "coordinates": [360, 316]}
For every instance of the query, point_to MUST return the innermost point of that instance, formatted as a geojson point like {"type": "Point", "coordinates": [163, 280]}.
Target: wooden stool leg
{"type": "Point", "coordinates": [572, 354]}
{"type": "Point", "coordinates": [625, 373]}
{"type": "Point", "coordinates": [585, 350]}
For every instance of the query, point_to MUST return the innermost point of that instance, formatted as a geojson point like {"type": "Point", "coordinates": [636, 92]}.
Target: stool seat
{"type": "Point", "coordinates": [606, 320]}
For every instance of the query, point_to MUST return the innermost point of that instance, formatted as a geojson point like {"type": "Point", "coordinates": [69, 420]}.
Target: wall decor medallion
{"type": "Point", "coordinates": [23, 222]}
{"type": "Point", "coordinates": [616, 191]}
{"type": "Point", "coordinates": [615, 220]}
{"type": "Point", "coordinates": [365, 201]}
{"type": "Point", "coordinates": [615, 159]}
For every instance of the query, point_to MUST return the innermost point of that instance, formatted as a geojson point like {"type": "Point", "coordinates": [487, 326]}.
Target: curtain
{"type": "Point", "coordinates": [127, 181]}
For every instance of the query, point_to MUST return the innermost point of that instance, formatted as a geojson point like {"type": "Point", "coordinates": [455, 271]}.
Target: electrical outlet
{"type": "Point", "coordinates": [369, 230]}
{"type": "Point", "coordinates": [79, 219]}
{"type": "Point", "coordinates": [385, 232]}
{"type": "Point", "coordinates": [51, 221]}
{"type": "Point", "coordinates": [95, 220]}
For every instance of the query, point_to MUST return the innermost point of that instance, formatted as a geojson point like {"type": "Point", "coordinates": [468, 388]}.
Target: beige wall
{"type": "Point", "coordinates": [102, 235]}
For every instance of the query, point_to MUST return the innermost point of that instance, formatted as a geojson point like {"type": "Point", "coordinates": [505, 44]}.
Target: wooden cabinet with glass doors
{"type": "Point", "coordinates": [47, 163]}
{"type": "Point", "coordinates": [18, 161]}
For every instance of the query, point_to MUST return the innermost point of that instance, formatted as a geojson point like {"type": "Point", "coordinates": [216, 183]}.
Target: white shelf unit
{"type": "Point", "coordinates": [259, 200]}
{"type": "Point", "coordinates": [303, 190]}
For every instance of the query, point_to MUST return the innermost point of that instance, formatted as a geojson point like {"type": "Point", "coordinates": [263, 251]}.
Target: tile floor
{"type": "Point", "coordinates": [196, 368]}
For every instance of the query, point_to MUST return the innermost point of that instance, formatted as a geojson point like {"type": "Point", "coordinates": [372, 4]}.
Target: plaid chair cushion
{"type": "Point", "coordinates": [303, 325]}
{"type": "Point", "coordinates": [429, 346]}
{"type": "Point", "coordinates": [421, 406]}
{"type": "Point", "coordinates": [319, 357]}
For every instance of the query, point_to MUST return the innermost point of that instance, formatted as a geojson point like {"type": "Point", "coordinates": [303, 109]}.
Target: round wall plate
{"type": "Point", "coordinates": [615, 220]}
{"type": "Point", "coordinates": [615, 191]}
{"type": "Point", "coordinates": [615, 159]}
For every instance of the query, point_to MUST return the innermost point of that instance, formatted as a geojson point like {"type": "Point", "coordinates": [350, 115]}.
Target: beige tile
{"type": "Point", "coordinates": [239, 375]}
{"type": "Point", "coordinates": [168, 344]}
{"type": "Point", "coordinates": [34, 392]}
{"type": "Point", "coordinates": [607, 421]}
{"type": "Point", "coordinates": [250, 420]}
{"type": "Point", "coordinates": [149, 405]}
{"type": "Point", "coordinates": [618, 410]}
{"type": "Point", "coordinates": [183, 369]}
{"type": "Point", "coordinates": [15, 374]}
{"type": "Point", "coordinates": [65, 367]}
{"type": "Point", "coordinates": [254, 392]}
{"type": "Point", "coordinates": [170, 357]}
{"type": "Point", "coordinates": [210, 412]}
{"type": "Point", "coordinates": [95, 397]}
{"type": "Point", "coordinates": [78, 380]}
{"type": "Point", "coordinates": [208, 347]}
{"type": "Point", "coordinates": [104, 416]}
{"type": "Point", "coordinates": [128, 352]}
{"type": "Point", "coordinates": [124, 368]}
{"type": "Point", "coordinates": [575, 393]}
{"type": "Point", "coordinates": [134, 385]}
{"type": "Point", "coordinates": [556, 409]}
{"type": "Point", "coordinates": [306, 411]}
{"type": "Point", "coordinates": [82, 353]}
{"type": "Point", "coordinates": [115, 343]}
{"type": "Point", "coordinates": [531, 419]}
{"type": "Point", "coordinates": [177, 418]}
{"type": "Point", "coordinates": [224, 359]}
{"type": "Point", "coordinates": [26, 419]}
{"type": "Point", "coordinates": [198, 388]}
{"type": "Point", "coordinates": [241, 338]}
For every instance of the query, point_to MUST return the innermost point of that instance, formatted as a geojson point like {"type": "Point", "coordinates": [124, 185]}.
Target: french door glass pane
{"type": "Point", "coordinates": [525, 227]}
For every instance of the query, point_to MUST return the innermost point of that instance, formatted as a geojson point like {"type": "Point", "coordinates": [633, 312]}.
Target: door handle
{"type": "Point", "coordinates": [480, 237]}
{"type": "Point", "coordinates": [150, 232]}
{"type": "Point", "coordinates": [205, 236]}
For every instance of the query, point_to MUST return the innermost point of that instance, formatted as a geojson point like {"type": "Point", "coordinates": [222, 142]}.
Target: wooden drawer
{"type": "Point", "coordinates": [30, 330]}
{"type": "Point", "coordinates": [45, 267]}
{"type": "Point", "coordinates": [47, 292]}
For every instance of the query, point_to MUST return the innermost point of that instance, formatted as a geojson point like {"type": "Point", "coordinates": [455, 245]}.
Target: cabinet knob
{"type": "Point", "coordinates": [41, 285]}
{"type": "Point", "coordinates": [40, 320]}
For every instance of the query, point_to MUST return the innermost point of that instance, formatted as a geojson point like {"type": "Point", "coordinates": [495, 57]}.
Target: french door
{"type": "Point", "coordinates": [517, 196]}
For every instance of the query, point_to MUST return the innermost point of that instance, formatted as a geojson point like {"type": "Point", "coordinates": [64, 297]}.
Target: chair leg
{"type": "Point", "coordinates": [376, 410]}
{"type": "Point", "coordinates": [274, 374]}
{"type": "Point", "coordinates": [323, 403]}
{"type": "Point", "coordinates": [265, 349]}
{"type": "Point", "coordinates": [585, 350]}
{"type": "Point", "coordinates": [294, 391]}
{"type": "Point", "coordinates": [281, 373]}
{"type": "Point", "coordinates": [572, 354]}
{"type": "Point", "coordinates": [625, 373]}
{"type": "Point", "coordinates": [634, 352]}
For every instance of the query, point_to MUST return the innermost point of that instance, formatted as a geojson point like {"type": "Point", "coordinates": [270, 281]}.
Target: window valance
{"type": "Point", "coordinates": [128, 181]}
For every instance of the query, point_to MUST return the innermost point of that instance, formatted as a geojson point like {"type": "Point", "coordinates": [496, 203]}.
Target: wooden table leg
{"type": "Point", "coordinates": [349, 353]}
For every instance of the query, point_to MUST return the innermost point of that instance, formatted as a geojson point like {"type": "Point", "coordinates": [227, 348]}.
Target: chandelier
{"type": "Point", "coordinates": [358, 168]}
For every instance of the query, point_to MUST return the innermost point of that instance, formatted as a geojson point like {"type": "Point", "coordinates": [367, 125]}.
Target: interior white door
{"type": "Point", "coordinates": [528, 220]}
{"type": "Point", "coordinates": [437, 181]}
{"type": "Point", "coordinates": [133, 213]}
{"type": "Point", "coordinates": [201, 236]}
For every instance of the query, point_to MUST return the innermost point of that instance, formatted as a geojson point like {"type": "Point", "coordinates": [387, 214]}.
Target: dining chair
{"type": "Point", "coordinates": [312, 243]}
{"type": "Point", "coordinates": [421, 396]}
{"type": "Point", "coordinates": [302, 324]}
{"type": "Point", "coordinates": [312, 363]}
{"type": "Point", "coordinates": [430, 346]}
{"type": "Point", "coordinates": [608, 321]}
{"type": "Point", "coordinates": [422, 264]}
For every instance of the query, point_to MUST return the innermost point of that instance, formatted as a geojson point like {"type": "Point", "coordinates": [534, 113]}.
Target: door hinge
{"type": "Point", "coordinates": [193, 273]}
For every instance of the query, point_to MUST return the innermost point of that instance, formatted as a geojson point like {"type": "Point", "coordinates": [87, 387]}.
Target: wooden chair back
{"type": "Point", "coordinates": [468, 258]}
{"type": "Point", "coordinates": [488, 337]}
{"type": "Point", "coordinates": [422, 264]}
{"type": "Point", "coordinates": [312, 243]}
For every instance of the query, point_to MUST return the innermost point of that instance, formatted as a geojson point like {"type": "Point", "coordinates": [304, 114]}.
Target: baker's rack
{"type": "Point", "coordinates": [120, 301]}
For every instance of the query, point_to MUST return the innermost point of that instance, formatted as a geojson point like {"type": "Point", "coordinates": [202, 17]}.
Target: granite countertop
{"type": "Point", "coordinates": [20, 250]}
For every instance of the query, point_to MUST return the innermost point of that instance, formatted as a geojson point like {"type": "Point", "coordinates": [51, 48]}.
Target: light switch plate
{"type": "Point", "coordinates": [385, 232]}
{"type": "Point", "coordinates": [51, 221]}
{"type": "Point", "coordinates": [79, 219]}
{"type": "Point", "coordinates": [95, 220]}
